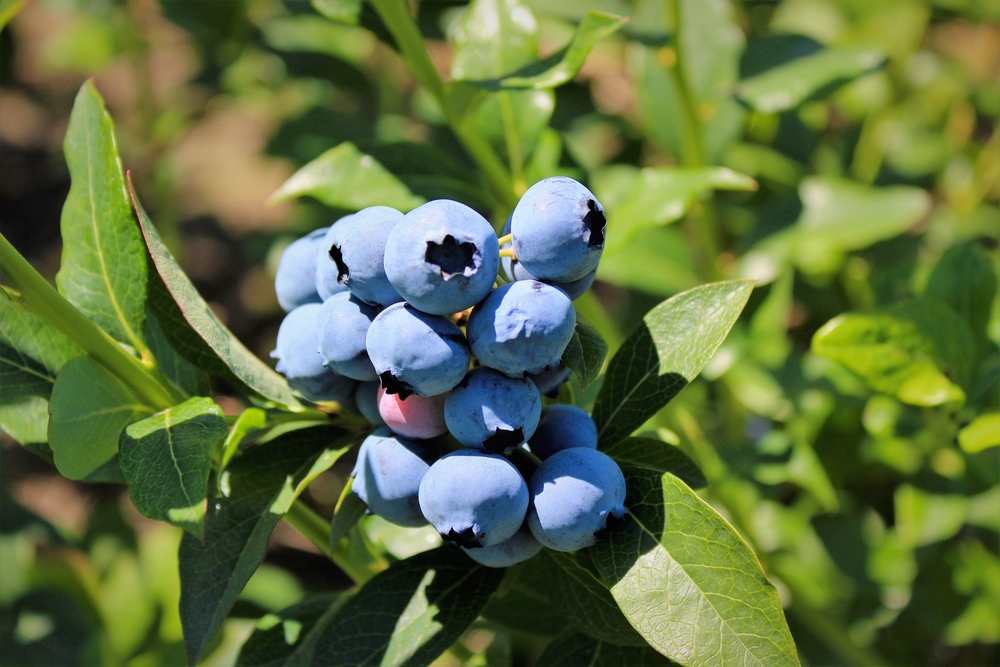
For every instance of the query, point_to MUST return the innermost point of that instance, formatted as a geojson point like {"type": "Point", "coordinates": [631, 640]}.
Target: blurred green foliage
{"type": "Point", "coordinates": [843, 153]}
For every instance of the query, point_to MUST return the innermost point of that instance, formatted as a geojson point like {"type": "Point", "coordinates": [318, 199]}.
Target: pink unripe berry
{"type": "Point", "coordinates": [416, 417]}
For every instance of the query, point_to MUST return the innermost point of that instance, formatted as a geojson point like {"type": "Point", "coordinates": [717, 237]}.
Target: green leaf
{"type": "Point", "coordinates": [670, 348]}
{"type": "Point", "coordinates": [523, 601]}
{"type": "Point", "coordinates": [563, 66]}
{"type": "Point", "coordinates": [89, 409]}
{"type": "Point", "coordinates": [184, 375]}
{"type": "Point", "coordinates": [659, 456]}
{"type": "Point", "coordinates": [925, 518]}
{"type": "Point", "coordinates": [167, 458]}
{"type": "Point", "coordinates": [289, 637]}
{"type": "Point", "coordinates": [194, 331]}
{"type": "Point", "coordinates": [586, 600]}
{"type": "Point", "coordinates": [344, 177]}
{"type": "Point", "coordinates": [103, 270]}
{"type": "Point", "coordinates": [27, 422]}
{"type": "Point", "coordinates": [639, 198]}
{"type": "Point", "coordinates": [8, 10]}
{"type": "Point", "coordinates": [350, 511]}
{"type": "Point", "coordinates": [965, 280]}
{"type": "Point", "coordinates": [981, 434]}
{"type": "Point", "coordinates": [658, 261]}
{"type": "Point", "coordinates": [262, 485]}
{"type": "Point", "coordinates": [792, 83]}
{"type": "Point", "coordinates": [251, 421]}
{"type": "Point", "coordinates": [678, 559]}
{"type": "Point", "coordinates": [32, 352]}
{"type": "Point", "coordinates": [411, 613]}
{"type": "Point", "coordinates": [585, 353]}
{"type": "Point", "coordinates": [342, 11]}
{"type": "Point", "coordinates": [891, 354]}
{"type": "Point", "coordinates": [576, 649]}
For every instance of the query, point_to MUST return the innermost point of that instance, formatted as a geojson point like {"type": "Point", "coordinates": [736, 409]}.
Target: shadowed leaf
{"type": "Point", "coordinates": [585, 353]}
{"type": "Point", "coordinates": [575, 650]}
{"type": "Point", "coordinates": [659, 456]}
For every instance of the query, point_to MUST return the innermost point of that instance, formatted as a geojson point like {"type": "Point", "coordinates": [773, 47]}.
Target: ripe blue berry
{"type": "Point", "coordinates": [522, 327]}
{"type": "Point", "coordinates": [387, 476]}
{"type": "Point", "coordinates": [294, 282]}
{"type": "Point", "coordinates": [558, 227]}
{"type": "Point", "coordinates": [359, 250]}
{"type": "Point", "coordinates": [326, 269]}
{"type": "Point", "coordinates": [512, 551]}
{"type": "Point", "coordinates": [551, 380]}
{"type": "Point", "coordinates": [577, 494]}
{"type": "Point", "coordinates": [416, 353]}
{"type": "Point", "coordinates": [561, 427]}
{"type": "Point", "coordinates": [343, 325]}
{"type": "Point", "coordinates": [492, 412]}
{"type": "Point", "coordinates": [297, 352]}
{"type": "Point", "coordinates": [366, 398]}
{"type": "Point", "coordinates": [474, 499]}
{"type": "Point", "coordinates": [514, 270]}
{"type": "Point", "coordinates": [443, 257]}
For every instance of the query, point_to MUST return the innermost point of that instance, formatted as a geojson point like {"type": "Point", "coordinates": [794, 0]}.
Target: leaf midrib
{"type": "Point", "coordinates": [173, 457]}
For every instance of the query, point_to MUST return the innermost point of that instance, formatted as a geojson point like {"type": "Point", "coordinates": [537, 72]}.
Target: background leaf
{"type": "Point", "coordinates": [346, 178]}
{"type": "Point", "coordinates": [262, 485]}
{"type": "Point", "coordinates": [790, 84]}
{"type": "Point", "coordinates": [410, 613]}
{"type": "Point", "coordinates": [677, 558]}
{"type": "Point", "coordinates": [657, 455]}
{"type": "Point", "coordinates": [673, 344]}
{"type": "Point", "coordinates": [585, 353]}
{"type": "Point", "coordinates": [103, 271]}
{"type": "Point", "coordinates": [964, 279]}
{"type": "Point", "coordinates": [166, 459]}
{"type": "Point", "coordinates": [342, 11]}
{"type": "Point", "coordinates": [89, 408]}
{"type": "Point", "coordinates": [576, 649]}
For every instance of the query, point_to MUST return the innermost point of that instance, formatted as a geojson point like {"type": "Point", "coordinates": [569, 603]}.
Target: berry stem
{"type": "Point", "coordinates": [508, 252]}
{"type": "Point", "coordinates": [505, 239]}
{"type": "Point", "coordinates": [315, 529]}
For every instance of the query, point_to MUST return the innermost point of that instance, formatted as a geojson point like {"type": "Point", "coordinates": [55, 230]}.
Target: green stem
{"type": "Point", "coordinates": [37, 296]}
{"type": "Point", "coordinates": [396, 16]}
{"type": "Point", "coordinates": [315, 529]}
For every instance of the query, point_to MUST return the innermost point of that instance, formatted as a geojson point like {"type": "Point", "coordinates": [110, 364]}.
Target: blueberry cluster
{"type": "Point", "coordinates": [377, 304]}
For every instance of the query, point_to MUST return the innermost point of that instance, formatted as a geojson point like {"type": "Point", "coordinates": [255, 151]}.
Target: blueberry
{"type": "Point", "coordinates": [297, 352]}
{"type": "Point", "coordinates": [417, 417]}
{"type": "Point", "coordinates": [558, 227]}
{"type": "Point", "coordinates": [511, 551]}
{"type": "Point", "coordinates": [514, 270]}
{"type": "Point", "coordinates": [490, 411]}
{"type": "Point", "coordinates": [326, 268]}
{"type": "Point", "coordinates": [294, 282]}
{"type": "Point", "coordinates": [562, 427]}
{"type": "Point", "coordinates": [551, 380]}
{"type": "Point", "coordinates": [416, 353]}
{"type": "Point", "coordinates": [443, 257]}
{"type": "Point", "coordinates": [387, 476]}
{"type": "Point", "coordinates": [343, 325]}
{"type": "Point", "coordinates": [577, 495]}
{"type": "Point", "coordinates": [359, 250]}
{"type": "Point", "coordinates": [522, 327]}
{"type": "Point", "coordinates": [474, 499]}
{"type": "Point", "coordinates": [366, 398]}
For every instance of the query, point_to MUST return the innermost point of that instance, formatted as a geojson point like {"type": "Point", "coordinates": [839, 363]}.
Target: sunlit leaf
{"type": "Point", "coordinates": [342, 11]}
{"type": "Point", "coordinates": [981, 434]}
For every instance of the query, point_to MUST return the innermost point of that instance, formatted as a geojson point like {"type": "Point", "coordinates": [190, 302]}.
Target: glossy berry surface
{"type": "Point", "coordinates": [443, 257]}
{"type": "Point", "coordinates": [343, 325]}
{"type": "Point", "coordinates": [558, 227]}
{"type": "Point", "coordinates": [326, 269]}
{"type": "Point", "coordinates": [561, 427]}
{"type": "Point", "coordinates": [512, 551]}
{"type": "Point", "coordinates": [358, 253]}
{"type": "Point", "coordinates": [295, 282]}
{"type": "Point", "coordinates": [366, 398]}
{"type": "Point", "coordinates": [491, 411]}
{"type": "Point", "coordinates": [387, 476]}
{"type": "Point", "coordinates": [576, 495]}
{"type": "Point", "coordinates": [474, 499]}
{"type": "Point", "coordinates": [416, 353]}
{"type": "Point", "coordinates": [297, 352]}
{"type": "Point", "coordinates": [416, 417]}
{"type": "Point", "coordinates": [522, 327]}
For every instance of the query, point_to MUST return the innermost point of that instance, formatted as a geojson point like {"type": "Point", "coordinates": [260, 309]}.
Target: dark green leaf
{"type": "Point", "coordinates": [31, 353]}
{"type": "Point", "coordinates": [167, 458]}
{"type": "Point", "coordinates": [523, 601]}
{"type": "Point", "coordinates": [583, 651]}
{"type": "Point", "coordinates": [586, 600]}
{"type": "Point", "coordinates": [351, 509]}
{"type": "Point", "coordinates": [103, 270]}
{"type": "Point", "coordinates": [585, 353]}
{"type": "Point", "coordinates": [410, 613]}
{"type": "Point", "coordinates": [965, 280]}
{"type": "Point", "coordinates": [289, 637]}
{"type": "Point", "coordinates": [194, 331]}
{"type": "Point", "coordinates": [346, 178]}
{"type": "Point", "coordinates": [563, 66]}
{"type": "Point", "coordinates": [89, 408]}
{"type": "Point", "coordinates": [184, 375]}
{"type": "Point", "coordinates": [669, 349]}
{"type": "Point", "coordinates": [342, 11]}
{"type": "Point", "coordinates": [678, 559]}
{"type": "Point", "coordinates": [261, 486]}
{"type": "Point", "coordinates": [659, 456]}
{"type": "Point", "coordinates": [789, 85]}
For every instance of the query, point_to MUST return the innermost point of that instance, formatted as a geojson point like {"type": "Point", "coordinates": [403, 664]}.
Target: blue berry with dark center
{"type": "Point", "coordinates": [491, 411]}
{"type": "Point", "coordinates": [343, 324]}
{"type": "Point", "coordinates": [514, 270]}
{"type": "Point", "coordinates": [387, 476]}
{"type": "Point", "coordinates": [327, 271]}
{"type": "Point", "coordinates": [359, 251]}
{"type": "Point", "coordinates": [295, 282]}
{"type": "Point", "coordinates": [561, 427]}
{"type": "Point", "coordinates": [297, 352]}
